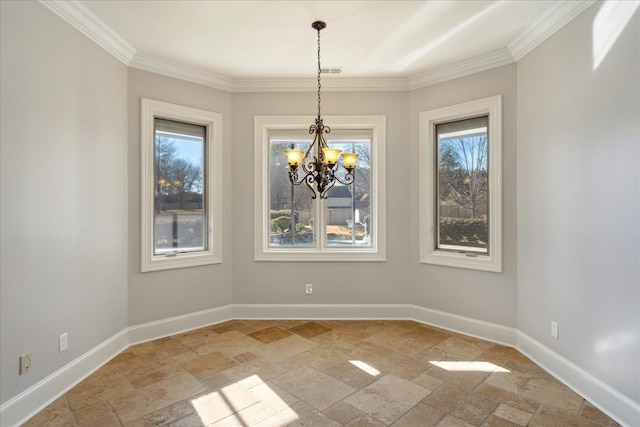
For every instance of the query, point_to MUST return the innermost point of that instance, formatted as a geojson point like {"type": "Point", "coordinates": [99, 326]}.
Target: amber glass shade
{"type": "Point", "coordinates": [330, 155]}
{"type": "Point", "coordinates": [294, 157]}
{"type": "Point", "coordinates": [349, 160]}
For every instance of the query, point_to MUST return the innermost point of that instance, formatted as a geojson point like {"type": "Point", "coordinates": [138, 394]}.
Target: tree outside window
{"type": "Point", "coordinates": [179, 193]}
{"type": "Point", "coordinates": [463, 185]}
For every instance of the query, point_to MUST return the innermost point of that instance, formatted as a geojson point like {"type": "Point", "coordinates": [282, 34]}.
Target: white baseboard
{"type": "Point", "coordinates": [25, 405]}
{"type": "Point", "coordinates": [610, 401]}
{"type": "Point", "coordinates": [321, 311]}
{"type": "Point", "coordinates": [465, 325]}
{"type": "Point", "coordinates": [178, 324]}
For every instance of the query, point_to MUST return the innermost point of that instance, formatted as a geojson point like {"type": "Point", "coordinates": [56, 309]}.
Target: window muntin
{"type": "Point", "coordinates": [323, 230]}
{"type": "Point", "coordinates": [181, 186]}
{"type": "Point", "coordinates": [462, 181]}
{"type": "Point", "coordinates": [457, 242]}
{"type": "Point", "coordinates": [180, 217]}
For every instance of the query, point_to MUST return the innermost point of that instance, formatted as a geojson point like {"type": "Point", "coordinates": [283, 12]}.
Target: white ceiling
{"type": "Point", "coordinates": [226, 43]}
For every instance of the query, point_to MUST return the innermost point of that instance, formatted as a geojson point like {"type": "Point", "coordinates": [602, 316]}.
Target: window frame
{"type": "Point", "coordinates": [150, 109]}
{"type": "Point", "coordinates": [319, 252]}
{"type": "Point", "coordinates": [429, 251]}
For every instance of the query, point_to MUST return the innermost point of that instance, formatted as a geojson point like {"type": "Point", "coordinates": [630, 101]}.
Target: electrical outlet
{"type": "Point", "coordinates": [309, 289]}
{"type": "Point", "coordinates": [63, 342]}
{"type": "Point", "coordinates": [554, 329]}
{"type": "Point", "coordinates": [25, 363]}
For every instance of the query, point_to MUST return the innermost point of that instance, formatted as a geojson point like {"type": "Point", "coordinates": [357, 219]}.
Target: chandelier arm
{"type": "Point", "coordinates": [320, 135]}
{"type": "Point", "coordinates": [312, 130]}
{"type": "Point", "coordinates": [293, 177]}
{"type": "Point", "coordinates": [347, 180]}
{"type": "Point", "coordinates": [308, 180]}
{"type": "Point", "coordinates": [305, 167]}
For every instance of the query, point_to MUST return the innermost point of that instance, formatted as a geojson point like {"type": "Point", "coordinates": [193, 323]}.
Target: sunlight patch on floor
{"type": "Point", "coordinates": [468, 366]}
{"type": "Point", "coordinates": [246, 402]}
{"type": "Point", "coordinates": [365, 367]}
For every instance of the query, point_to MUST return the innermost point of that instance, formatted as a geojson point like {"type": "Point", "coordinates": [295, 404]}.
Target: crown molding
{"type": "Point", "coordinates": [79, 17]}
{"type": "Point", "coordinates": [479, 63]}
{"type": "Point", "coordinates": [179, 71]}
{"type": "Point", "coordinates": [556, 17]}
{"type": "Point", "coordinates": [494, 59]}
{"type": "Point", "coordinates": [329, 84]}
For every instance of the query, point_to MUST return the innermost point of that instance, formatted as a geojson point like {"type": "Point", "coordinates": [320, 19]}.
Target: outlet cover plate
{"type": "Point", "coordinates": [554, 329]}
{"type": "Point", "coordinates": [25, 363]}
{"type": "Point", "coordinates": [63, 342]}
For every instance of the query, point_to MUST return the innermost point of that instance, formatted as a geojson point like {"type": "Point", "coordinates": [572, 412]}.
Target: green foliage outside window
{"type": "Point", "coordinates": [464, 231]}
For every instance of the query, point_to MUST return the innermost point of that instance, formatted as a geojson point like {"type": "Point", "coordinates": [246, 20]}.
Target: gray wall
{"type": "Point", "coordinates": [69, 110]}
{"type": "Point", "coordinates": [579, 200]}
{"type": "Point", "coordinates": [401, 279]}
{"type": "Point", "coordinates": [162, 294]}
{"type": "Point", "coordinates": [64, 253]}
{"type": "Point", "coordinates": [334, 282]}
{"type": "Point", "coordinates": [479, 295]}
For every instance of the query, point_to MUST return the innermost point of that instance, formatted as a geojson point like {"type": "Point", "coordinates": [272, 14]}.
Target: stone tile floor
{"type": "Point", "coordinates": [320, 373]}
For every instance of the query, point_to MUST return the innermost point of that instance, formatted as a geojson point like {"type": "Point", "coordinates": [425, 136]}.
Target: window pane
{"type": "Point", "coordinates": [462, 180]}
{"type": "Point", "coordinates": [292, 210]}
{"type": "Point", "coordinates": [179, 214]}
{"type": "Point", "coordinates": [348, 212]}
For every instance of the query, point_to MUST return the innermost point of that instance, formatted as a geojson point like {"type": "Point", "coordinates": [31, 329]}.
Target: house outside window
{"type": "Point", "coordinates": [290, 224]}
{"type": "Point", "coordinates": [460, 185]}
{"type": "Point", "coordinates": [181, 173]}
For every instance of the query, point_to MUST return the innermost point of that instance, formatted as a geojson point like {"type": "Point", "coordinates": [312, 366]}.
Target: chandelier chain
{"type": "Point", "coordinates": [319, 71]}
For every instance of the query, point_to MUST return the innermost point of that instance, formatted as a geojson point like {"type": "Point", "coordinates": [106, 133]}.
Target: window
{"type": "Point", "coordinates": [349, 224]}
{"type": "Point", "coordinates": [181, 186]}
{"type": "Point", "coordinates": [460, 185]}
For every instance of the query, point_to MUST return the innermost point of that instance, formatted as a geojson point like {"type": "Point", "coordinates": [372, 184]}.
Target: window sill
{"type": "Point", "coordinates": [462, 260]}
{"type": "Point", "coordinates": [347, 255]}
{"type": "Point", "coordinates": [180, 260]}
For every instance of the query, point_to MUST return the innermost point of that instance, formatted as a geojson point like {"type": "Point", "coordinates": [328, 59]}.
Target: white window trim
{"type": "Point", "coordinates": [429, 254]}
{"type": "Point", "coordinates": [377, 251]}
{"type": "Point", "coordinates": [213, 121]}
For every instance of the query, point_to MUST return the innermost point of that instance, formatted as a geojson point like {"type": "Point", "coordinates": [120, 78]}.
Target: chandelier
{"type": "Point", "coordinates": [319, 163]}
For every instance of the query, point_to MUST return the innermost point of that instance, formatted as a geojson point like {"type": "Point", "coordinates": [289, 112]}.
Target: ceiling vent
{"type": "Point", "coordinates": [331, 70]}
